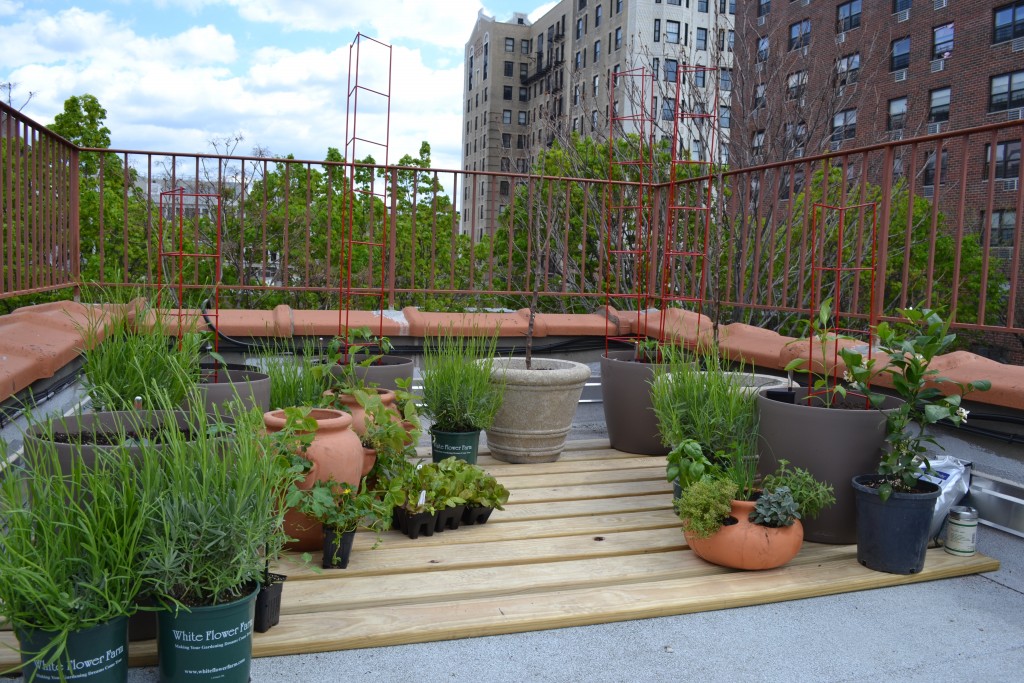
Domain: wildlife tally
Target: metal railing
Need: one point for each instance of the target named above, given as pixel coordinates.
(454, 239)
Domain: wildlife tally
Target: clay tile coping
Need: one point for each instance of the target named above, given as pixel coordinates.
(752, 345)
(329, 323)
(680, 325)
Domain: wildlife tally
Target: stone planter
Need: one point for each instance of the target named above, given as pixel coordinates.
(538, 409)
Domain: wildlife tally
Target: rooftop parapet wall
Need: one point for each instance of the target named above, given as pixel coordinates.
(38, 341)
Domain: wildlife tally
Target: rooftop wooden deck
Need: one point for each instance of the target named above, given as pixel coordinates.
(589, 539)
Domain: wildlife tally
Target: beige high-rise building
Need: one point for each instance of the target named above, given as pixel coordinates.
(529, 84)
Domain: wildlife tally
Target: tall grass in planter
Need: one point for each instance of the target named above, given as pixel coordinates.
(298, 379)
(69, 574)
(122, 360)
(217, 520)
(459, 395)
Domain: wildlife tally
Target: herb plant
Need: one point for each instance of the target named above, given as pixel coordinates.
(458, 393)
(705, 505)
(811, 495)
(775, 509)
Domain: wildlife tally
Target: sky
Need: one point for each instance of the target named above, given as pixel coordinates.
(174, 75)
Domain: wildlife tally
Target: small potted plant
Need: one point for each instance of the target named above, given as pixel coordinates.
(458, 394)
(69, 558)
(755, 530)
(342, 508)
(225, 496)
(430, 497)
(359, 359)
(894, 505)
(485, 496)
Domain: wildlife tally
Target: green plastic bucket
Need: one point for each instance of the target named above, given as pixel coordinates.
(462, 445)
(207, 643)
(97, 655)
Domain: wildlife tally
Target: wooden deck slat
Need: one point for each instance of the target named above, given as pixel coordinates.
(539, 565)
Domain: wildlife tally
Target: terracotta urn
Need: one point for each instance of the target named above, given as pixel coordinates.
(745, 545)
(358, 412)
(336, 453)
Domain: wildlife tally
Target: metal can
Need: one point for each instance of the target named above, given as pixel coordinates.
(962, 531)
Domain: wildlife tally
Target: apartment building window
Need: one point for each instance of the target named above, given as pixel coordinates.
(942, 41)
(1008, 22)
(506, 140)
(520, 141)
(725, 116)
(759, 95)
(509, 69)
(1002, 227)
(847, 69)
(725, 80)
(763, 7)
(657, 30)
(616, 70)
(506, 92)
(485, 94)
(597, 50)
(618, 38)
(757, 143)
(798, 182)
(506, 116)
(732, 41)
(595, 83)
(938, 105)
(901, 5)
(1006, 91)
(593, 121)
(800, 34)
(598, 15)
(928, 171)
(524, 69)
(721, 39)
(702, 5)
(672, 32)
(618, 6)
(579, 28)
(524, 46)
(698, 78)
(762, 49)
(796, 85)
(702, 39)
(510, 45)
(521, 165)
(795, 135)
(668, 109)
(844, 125)
(523, 118)
(576, 95)
(671, 70)
(469, 105)
(731, 4)
(1007, 164)
(677, 3)
(848, 16)
(897, 113)
(579, 62)
(899, 54)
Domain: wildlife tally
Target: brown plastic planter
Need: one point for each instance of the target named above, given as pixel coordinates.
(833, 444)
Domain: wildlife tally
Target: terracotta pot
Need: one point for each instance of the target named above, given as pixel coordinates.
(336, 453)
(369, 460)
(745, 545)
(359, 413)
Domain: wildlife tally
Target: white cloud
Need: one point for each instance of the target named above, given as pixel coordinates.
(8, 7)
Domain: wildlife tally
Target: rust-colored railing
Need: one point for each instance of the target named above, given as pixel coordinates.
(474, 239)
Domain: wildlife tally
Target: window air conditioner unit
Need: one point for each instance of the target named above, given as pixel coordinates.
(899, 76)
(941, 4)
(805, 50)
(805, 3)
(1017, 45)
(1010, 185)
(798, 152)
(902, 16)
(1015, 114)
(896, 134)
(938, 65)
(928, 191)
(803, 101)
(834, 146)
(760, 21)
(840, 38)
(934, 128)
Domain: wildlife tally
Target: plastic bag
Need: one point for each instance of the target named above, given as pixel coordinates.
(953, 477)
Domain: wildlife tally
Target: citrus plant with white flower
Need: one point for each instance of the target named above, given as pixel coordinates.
(911, 344)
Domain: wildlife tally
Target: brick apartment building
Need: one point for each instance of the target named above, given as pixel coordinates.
(528, 84)
(820, 75)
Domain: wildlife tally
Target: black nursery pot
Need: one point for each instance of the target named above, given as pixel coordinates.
(476, 514)
(337, 548)
(412, 525)
(450, 518)
(268, 603)
(892, 536)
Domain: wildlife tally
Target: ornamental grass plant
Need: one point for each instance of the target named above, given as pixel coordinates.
(458, 393)
(69, 543)
(296, 379)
